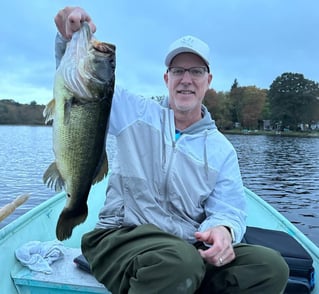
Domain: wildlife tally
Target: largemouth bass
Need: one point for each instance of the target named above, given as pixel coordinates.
(80, 110)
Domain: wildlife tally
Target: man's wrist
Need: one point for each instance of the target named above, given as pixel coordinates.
(231, 232)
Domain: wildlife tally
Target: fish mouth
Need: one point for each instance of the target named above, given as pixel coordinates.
(103, 47)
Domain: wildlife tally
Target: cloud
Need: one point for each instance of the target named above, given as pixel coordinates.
(253, 41)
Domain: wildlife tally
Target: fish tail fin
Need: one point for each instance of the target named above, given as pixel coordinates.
(52, 177)
(48, 111)
(101, 170)
(69, 218)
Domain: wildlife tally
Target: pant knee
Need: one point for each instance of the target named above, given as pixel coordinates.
(275, 271)
(189, 269)
(259, 269)
(178, 260)
(189, 262)
(181, 267)
(278, 268)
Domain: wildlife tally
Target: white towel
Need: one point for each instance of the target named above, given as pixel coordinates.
(38, 256)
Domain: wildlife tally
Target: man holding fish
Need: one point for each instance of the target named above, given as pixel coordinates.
(174, 213)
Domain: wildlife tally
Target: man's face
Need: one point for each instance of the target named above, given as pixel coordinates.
(187, 89)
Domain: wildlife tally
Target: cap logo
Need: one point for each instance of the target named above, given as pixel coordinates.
(188, 41)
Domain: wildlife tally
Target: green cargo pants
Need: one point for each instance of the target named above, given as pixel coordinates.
(145, 259)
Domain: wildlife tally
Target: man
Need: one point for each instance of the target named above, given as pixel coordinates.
(174, 214)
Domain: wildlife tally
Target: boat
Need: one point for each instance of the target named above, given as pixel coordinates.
(39, 223)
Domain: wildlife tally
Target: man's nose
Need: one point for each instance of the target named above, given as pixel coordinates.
(186, 77)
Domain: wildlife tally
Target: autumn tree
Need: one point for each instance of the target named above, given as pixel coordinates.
(252, 106)
(218, 105)
(247, 105)
(236, 93)
(293, 100)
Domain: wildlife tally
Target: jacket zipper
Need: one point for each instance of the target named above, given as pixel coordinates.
(171, 158)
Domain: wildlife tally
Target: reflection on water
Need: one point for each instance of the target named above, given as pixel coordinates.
(283, 171)
(25, 154)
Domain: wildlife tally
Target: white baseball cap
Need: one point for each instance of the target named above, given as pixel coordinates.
(188, 44)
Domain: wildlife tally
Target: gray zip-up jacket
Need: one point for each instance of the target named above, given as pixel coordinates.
(181, 185)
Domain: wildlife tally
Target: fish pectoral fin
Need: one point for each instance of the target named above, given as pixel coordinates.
(67, 110)
(52, 177)
(101, 170)
(49, 110)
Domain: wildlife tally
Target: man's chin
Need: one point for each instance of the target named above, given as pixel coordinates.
(184, 107)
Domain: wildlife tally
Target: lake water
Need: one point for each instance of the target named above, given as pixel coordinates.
(284, 171)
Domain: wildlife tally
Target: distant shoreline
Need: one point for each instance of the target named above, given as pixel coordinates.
(14, 113)
(301, 134)
(313, 134)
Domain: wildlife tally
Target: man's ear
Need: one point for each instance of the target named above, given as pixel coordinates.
(210, 78)
(166, 78)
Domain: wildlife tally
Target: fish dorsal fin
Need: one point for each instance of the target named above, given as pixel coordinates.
(52, 177)
(101, 170)
(49, 110)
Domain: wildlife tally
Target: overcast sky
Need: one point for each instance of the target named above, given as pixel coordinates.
(254, 41)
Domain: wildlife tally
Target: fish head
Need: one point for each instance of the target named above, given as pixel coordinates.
(87, 69)
(99, 68)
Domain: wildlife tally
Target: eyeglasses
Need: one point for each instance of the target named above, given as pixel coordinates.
(195, 72)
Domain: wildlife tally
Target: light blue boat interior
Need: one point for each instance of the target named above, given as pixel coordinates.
(39, 224)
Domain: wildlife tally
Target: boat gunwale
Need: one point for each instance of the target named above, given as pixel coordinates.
(25, 219)
(286, 225)
(48, 206)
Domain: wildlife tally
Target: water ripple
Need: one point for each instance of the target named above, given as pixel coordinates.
(283, 171)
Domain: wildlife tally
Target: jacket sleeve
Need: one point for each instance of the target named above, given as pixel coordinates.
(226, 204)
(128, 108)
(60, 46)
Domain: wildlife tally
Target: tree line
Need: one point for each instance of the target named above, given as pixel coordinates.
(291, 102)
(14, 113)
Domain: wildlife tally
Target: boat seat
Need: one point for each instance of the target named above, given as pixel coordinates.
(66, 278)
